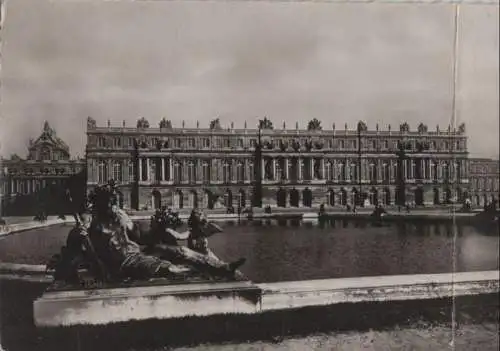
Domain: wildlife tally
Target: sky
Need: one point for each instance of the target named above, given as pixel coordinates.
(241, 61)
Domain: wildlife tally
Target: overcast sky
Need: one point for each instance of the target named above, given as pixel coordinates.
(340, 63)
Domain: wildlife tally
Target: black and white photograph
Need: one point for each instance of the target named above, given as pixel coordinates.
(249, 175)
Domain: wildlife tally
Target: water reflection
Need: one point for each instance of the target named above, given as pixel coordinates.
(290, 250)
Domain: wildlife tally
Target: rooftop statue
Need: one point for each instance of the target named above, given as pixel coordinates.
(101, 244)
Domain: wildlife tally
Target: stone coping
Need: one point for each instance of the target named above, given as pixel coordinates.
(100, 307)
(378, 281)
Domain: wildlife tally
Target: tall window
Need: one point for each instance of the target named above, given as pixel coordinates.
(101, 142)
(353, 172)
(101, 172)
(131, 171)
(372, 172)
(45, 153)
(342, 171)
(385, 172)
(117, 171)
(226, 172)
(152, 170)
(328, 170)
(251, 171)
(177, 172)
(206, 142)
(191, 143)
(117, 142)
(191, 172)
(144, 169)
(240, 172)
(227, 143)
(240, 142)
(206, 171)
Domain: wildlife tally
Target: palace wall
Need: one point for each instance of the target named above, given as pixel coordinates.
(214, 167)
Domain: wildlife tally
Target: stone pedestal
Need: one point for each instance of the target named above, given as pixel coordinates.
(105, 306)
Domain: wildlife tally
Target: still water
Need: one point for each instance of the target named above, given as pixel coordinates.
(292, 251)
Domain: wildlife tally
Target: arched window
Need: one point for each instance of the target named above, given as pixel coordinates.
(117, 171)
(102, 176)
(372, 172)
(191, 172)
(342, 171)
(131, 171)
(240, 172)
(177, 172)
(226, 172)
(251, 171)
(206, 171)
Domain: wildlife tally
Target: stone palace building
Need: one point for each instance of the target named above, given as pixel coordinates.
(40, 177)
(484, 179)
(215, 166)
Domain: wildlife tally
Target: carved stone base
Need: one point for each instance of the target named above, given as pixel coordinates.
(104, 306)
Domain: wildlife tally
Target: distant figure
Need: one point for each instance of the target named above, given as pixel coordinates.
(407, 208)
(321, 209)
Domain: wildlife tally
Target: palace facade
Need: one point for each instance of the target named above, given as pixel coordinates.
(40, 177)
(215, 166)
(484, 179)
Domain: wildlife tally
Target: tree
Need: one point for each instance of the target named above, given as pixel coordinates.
(314, 124)
(265, 123)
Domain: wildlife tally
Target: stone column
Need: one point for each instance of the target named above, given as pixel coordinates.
(171, 168)
(234, 170)
(162, 169)
(322, 166)
(286, 170)
(245, 170)
(379, 171)
(148, 169)
(347, 170)
(299, 163)
(262, 168)
(274, 169)
(311, 168)
(141, 160)
(185, 175)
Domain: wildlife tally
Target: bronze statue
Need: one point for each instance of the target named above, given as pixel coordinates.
(101, 243)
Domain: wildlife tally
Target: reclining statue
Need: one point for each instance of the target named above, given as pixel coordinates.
(100, 242)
